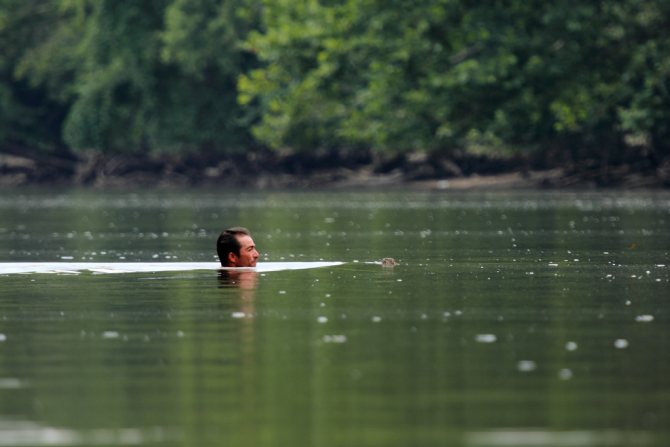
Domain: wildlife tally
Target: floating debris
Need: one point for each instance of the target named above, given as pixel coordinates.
(644, 318)
(3, 337)
(238, 315)
(110, 334)
(571, 346)
(389, 262)
(322, 320)
(376, 319)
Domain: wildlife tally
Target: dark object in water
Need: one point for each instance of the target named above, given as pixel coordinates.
(389, 262)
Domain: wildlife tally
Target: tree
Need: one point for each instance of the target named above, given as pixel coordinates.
(30, 115)
(154, 75)
(445, 75)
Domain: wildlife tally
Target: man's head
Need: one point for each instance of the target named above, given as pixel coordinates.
(236, 248)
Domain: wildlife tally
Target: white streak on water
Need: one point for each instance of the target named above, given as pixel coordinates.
(7, 268)
(27, 433)
(334, 338)
(539, 438)
(10, 383)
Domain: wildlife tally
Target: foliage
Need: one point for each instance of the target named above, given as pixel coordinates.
(583, 78)
(445, 74)
(29, 114)
(155, 74)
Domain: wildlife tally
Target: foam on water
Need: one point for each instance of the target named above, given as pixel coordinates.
(7, 268)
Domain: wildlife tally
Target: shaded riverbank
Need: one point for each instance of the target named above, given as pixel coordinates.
(326, 169)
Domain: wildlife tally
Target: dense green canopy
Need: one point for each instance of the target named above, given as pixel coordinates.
(567, 77)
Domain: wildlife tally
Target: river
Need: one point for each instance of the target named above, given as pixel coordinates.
(511, 319)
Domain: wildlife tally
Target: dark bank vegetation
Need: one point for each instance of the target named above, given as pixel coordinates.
(285, 92)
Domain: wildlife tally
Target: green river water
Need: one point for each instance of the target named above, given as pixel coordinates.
(513, 319)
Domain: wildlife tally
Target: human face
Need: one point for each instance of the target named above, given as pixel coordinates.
(248, 253)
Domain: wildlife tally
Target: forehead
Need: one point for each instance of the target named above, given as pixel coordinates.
(244, 240)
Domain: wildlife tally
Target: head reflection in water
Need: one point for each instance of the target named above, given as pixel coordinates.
(242, 279)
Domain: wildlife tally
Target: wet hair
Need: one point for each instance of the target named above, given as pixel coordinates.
(228, 243)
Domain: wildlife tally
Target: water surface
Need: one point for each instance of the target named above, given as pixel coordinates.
(513, 319)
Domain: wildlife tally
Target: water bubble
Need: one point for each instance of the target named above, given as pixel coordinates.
(322, 320)
(571, 346)
(565, 374)
(376, 319)
(621, 343)
(485, 338)
(334, 338)
(3, 337)
(526, 366)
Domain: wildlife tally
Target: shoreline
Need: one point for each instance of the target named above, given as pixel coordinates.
(325, 170)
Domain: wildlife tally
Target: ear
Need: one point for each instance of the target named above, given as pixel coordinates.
(232, 259)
